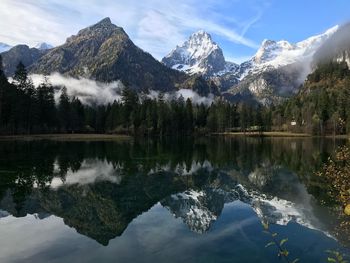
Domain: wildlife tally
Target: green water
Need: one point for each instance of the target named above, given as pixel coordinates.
(168, 200)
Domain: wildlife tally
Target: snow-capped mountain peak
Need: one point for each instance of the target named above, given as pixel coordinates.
(200, 44)
(281, 53)
(270, 49)
(43, 46)
(199, 54)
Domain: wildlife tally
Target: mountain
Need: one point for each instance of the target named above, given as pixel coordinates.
(198, 55)
(43, 46)
(275, 72)
(20, 53)
(4, 47)
(104, 52)
(278, 69)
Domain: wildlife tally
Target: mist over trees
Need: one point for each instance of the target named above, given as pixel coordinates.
(321, 107)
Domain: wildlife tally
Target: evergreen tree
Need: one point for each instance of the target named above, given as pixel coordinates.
(46, 108)
(64, 110)
(3, 85)
(189, 117)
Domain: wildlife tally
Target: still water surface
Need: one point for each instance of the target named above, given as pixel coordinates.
(165, 201)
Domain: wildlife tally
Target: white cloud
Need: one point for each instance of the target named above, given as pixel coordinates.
(194, 97)
(186, 94)
(88, 91)
(155, 25)
(94, 92)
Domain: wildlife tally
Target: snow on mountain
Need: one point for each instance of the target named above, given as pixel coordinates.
(4, 47)
(198, 55)
(275, 71)
(272, 54)
(43, 46)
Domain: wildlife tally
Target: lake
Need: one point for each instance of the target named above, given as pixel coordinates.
(171, 200)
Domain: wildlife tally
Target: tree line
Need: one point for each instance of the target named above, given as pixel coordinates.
(26, 109)
(321, 107)
(323, 104)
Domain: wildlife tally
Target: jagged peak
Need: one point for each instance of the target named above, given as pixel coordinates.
(267, 42)
(200, 37)
(105, 26)
(198, 54)
(105, 23)
(201, 33)
(105, 20)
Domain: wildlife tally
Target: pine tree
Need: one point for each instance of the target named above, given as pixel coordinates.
(189, 117)
(3, 85)
(64, 110)
(21, 76)
(46, 109)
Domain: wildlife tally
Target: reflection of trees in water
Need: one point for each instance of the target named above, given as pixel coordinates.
(25, 164)
(151, 171)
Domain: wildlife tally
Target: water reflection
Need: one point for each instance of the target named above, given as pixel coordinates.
(99, 188)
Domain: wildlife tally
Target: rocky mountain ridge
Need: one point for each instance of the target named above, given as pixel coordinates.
(105, 53)
(272, 74)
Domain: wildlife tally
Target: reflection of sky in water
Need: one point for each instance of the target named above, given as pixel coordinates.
(156, 236)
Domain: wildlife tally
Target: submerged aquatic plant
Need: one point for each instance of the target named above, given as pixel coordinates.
(336, 257)
(279, 243)
(333, 255)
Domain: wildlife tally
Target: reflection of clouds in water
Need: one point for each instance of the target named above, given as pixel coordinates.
(182, 168)
(30, 237)
(90, 172)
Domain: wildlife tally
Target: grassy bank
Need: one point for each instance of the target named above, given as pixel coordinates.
(265, 134)
(66, 137)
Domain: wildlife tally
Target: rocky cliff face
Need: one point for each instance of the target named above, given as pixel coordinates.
(20, 53)
(105, 53)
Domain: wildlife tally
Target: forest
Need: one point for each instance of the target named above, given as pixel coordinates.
(320, 108)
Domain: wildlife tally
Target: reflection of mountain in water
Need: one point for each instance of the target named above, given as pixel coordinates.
(200, 208)
(99, 188)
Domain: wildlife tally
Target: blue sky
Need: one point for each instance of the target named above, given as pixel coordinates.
(157, 26)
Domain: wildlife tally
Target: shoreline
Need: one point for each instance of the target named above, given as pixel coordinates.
(264, 134)
(279, 134)
(118, 137)
(66, 137)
